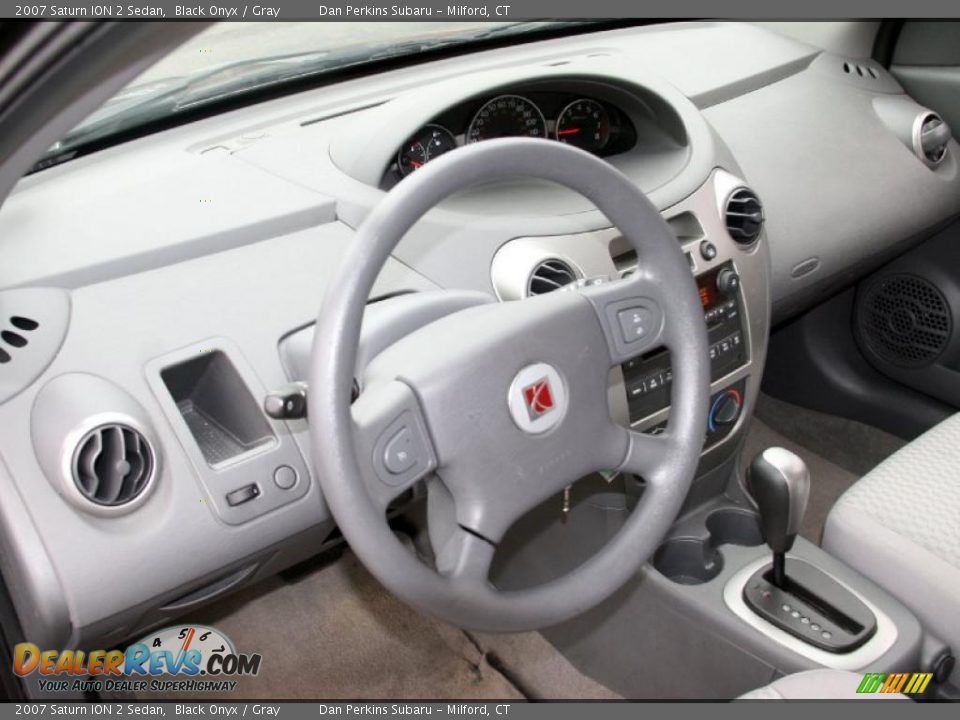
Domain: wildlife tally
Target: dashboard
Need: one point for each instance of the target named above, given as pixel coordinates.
(219, 256)
(589, 123)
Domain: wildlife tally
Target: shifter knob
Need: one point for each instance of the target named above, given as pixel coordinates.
(779, 482)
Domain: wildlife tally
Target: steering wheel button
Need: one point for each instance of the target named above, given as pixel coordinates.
(635, 323)
(400, 454)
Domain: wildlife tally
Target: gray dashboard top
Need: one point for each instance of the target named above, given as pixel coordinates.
(190, 191)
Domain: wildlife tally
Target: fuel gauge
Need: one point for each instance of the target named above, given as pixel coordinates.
(430, 142)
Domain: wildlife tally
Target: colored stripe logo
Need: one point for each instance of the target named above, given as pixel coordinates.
(905, 683)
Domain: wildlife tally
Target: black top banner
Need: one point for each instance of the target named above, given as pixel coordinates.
(504, 10)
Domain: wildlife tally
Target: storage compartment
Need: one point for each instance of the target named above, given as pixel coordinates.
(696, 560)
(217, 407)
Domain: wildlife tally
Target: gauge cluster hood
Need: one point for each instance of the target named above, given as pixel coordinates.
(673, 135)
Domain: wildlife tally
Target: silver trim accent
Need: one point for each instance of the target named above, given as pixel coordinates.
(515, 262)
(915, 132)
(870, 652)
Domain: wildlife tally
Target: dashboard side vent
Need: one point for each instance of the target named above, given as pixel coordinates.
(903, 320)
(744, 216)
(550, 275)
(15, 339)
(864, 71)
(112, 465)
(33, 324)
(930, 138)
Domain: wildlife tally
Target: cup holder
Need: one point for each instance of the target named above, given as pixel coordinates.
(688, 561)
(734, 526)
(696, 560)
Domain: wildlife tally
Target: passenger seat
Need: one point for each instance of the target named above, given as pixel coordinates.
(900, 526)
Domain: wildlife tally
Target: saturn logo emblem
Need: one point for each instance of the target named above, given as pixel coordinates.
(537, 398)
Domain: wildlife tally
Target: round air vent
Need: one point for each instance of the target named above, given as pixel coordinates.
(904, 320)
(550, 275)
(744, 216)
(112, 465)
(930, 138)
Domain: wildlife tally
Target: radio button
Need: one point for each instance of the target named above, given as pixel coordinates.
(728, 281)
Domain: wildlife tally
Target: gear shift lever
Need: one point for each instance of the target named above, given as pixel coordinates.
(810, 604)
(779, 482)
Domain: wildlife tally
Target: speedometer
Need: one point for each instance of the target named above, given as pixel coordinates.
(507, 116)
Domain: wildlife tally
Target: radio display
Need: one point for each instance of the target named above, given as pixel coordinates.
(707, 288)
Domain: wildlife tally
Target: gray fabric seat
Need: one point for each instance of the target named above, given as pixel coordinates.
(820, 684)
(900, 526)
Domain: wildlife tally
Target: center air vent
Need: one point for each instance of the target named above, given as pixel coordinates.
(112, 465)
(744, 216)
(550, 275)
(930, 138)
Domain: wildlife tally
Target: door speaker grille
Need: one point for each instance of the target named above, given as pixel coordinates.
(904, 320)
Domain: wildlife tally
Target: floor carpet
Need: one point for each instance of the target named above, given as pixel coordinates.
(852, 445)
(336, 633)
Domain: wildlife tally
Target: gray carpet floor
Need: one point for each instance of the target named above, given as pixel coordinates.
(851, 445)
(336, 633)
(838, 451)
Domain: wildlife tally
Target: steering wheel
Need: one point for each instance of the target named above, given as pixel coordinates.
(506, 404)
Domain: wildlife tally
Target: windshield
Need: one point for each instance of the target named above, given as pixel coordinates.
(228, 60)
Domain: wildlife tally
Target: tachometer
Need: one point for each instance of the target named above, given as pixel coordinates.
(507, 116)
(584, 124)
(430, 142)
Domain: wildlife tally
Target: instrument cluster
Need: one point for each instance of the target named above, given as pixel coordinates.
(588, 123)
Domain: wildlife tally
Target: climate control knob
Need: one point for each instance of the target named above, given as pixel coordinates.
(724, 410)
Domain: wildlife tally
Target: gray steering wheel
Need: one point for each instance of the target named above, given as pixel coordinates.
(505, 404)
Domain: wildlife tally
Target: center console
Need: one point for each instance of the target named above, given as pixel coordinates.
(730, 267)
(732, 594)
